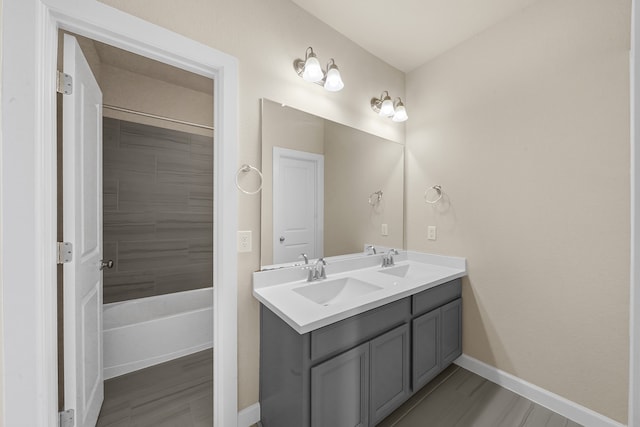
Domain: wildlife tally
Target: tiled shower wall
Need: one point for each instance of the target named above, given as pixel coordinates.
(158, 210)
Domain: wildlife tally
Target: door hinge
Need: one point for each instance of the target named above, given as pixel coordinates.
(64, 83)
(65, 252)
(66, 418)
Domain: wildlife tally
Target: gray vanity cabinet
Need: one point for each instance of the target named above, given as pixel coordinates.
(451, 331)
(426, 348)
(437, 341)
(355, 372)
(362, 384)
(340, 390)
(390, 367)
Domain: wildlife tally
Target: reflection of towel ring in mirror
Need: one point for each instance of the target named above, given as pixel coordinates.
(375, 198)
(245, 169)
(438, 191)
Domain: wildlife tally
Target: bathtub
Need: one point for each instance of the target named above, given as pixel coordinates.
(147, 331)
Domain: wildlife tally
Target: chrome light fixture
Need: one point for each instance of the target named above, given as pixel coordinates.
(387, 108)
(310, 70)
(400, 114)
(333, 80)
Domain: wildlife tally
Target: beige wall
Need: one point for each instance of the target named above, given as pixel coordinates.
(266, 36)
(123, 88)
(526, 127)
(127, 88)
(356, 165)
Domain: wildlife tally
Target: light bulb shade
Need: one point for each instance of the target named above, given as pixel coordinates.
(333, 82)
(400, 114)
(312, 70)
(386, 108)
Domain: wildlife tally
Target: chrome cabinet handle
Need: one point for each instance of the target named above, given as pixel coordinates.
(106, 264)
(281, 239)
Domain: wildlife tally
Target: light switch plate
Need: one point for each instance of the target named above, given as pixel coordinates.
(431, 232)
(244, 241)
(384, 230)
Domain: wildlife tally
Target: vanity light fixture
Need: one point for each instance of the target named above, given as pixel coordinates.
(310, 70)
(395, 110)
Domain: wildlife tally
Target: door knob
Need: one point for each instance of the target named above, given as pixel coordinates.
(281, 239)
(106, 264)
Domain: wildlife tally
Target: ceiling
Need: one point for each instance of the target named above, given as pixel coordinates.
(109, 55)
(409, 33)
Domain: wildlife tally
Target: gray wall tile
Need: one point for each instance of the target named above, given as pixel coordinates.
(158, 210)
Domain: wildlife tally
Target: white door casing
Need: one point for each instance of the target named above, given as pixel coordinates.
(298, 204)
(82, 225)
(28, 210)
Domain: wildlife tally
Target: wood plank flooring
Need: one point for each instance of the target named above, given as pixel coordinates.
(178, 393)
(459, 398)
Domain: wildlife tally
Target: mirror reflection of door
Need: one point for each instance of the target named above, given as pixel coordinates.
(298, 204)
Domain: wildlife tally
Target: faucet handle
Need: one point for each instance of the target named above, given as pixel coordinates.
(305, 257)
(321, 273)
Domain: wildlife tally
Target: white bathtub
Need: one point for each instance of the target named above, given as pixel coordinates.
(147, 331)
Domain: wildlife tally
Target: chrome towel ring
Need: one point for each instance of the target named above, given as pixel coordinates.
(375, 198)
(433, 195)
(245, 168)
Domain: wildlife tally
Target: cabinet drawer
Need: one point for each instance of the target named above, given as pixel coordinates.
(349, 332)
(435, 297)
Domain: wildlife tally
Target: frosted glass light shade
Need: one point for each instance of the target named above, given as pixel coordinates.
(312, 70)
(333, 83)
(386, 109)
(400, 114)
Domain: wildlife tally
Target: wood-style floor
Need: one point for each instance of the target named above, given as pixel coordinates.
(178, 393)
(459, 398)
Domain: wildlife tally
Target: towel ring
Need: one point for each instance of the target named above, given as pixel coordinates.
(438, 191)
(375, 198)
(245, 169)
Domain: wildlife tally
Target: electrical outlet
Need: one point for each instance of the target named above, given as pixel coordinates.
(384, 230)
(244, 241)
(431, 232)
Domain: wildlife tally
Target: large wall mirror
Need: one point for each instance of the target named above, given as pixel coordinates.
(328, 189)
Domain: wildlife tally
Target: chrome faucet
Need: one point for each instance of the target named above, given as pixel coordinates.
(316, 271)
(305, 257)
(321, 273)
(370, 250)
(387, 259)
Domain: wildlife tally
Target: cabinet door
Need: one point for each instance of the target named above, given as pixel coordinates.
(340, 390)
(451, 343)
(389, 372)
(426, 348)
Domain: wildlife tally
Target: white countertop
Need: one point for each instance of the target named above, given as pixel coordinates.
(276, 288)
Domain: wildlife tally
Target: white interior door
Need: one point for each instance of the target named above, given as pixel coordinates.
(82, 212)
(298, 204)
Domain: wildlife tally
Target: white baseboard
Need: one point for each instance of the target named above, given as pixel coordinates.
(249, 415)
(549, 400)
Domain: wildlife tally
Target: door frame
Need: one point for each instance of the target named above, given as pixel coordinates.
(28, 193)
(318, 159)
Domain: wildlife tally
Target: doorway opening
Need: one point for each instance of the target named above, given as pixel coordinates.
(30, 351)
(155, 313)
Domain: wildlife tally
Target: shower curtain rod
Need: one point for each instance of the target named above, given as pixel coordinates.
(153, 116)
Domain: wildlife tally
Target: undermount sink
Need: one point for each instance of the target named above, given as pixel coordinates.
(407, 271)
(329, 292)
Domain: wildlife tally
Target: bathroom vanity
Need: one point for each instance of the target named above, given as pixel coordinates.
(350, 357)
